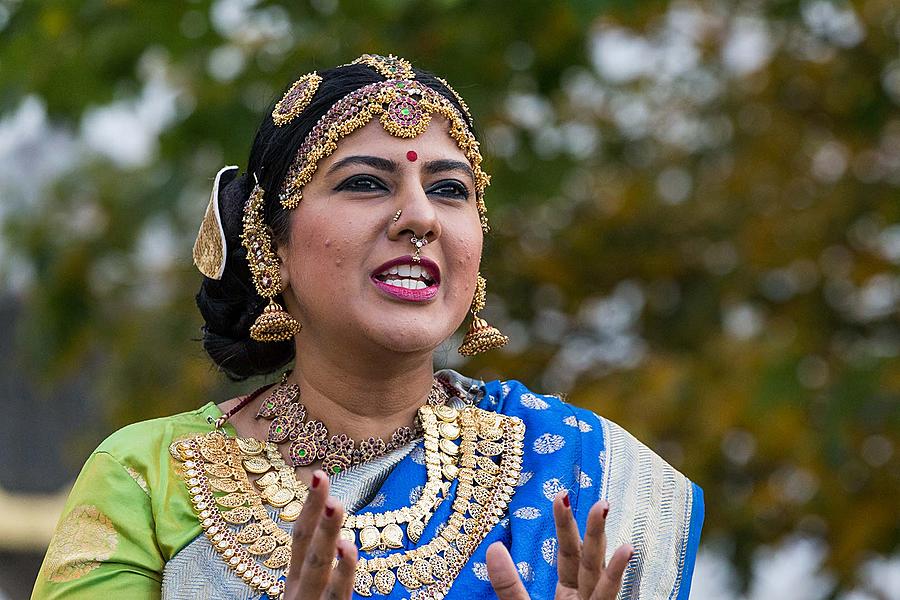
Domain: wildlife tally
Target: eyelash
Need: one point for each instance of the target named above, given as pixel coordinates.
(459, 190)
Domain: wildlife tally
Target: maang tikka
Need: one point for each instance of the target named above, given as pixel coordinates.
(481, 335)
(275, 324)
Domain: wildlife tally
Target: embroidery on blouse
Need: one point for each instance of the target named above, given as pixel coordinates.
(138, 479)
(84, 539)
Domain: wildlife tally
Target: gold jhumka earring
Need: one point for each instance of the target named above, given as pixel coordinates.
(274, 324)
(481, 336)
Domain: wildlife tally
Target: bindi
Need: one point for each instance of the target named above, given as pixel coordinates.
(411, 156)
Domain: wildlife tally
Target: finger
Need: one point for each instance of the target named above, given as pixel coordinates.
(340, 586)
(503, 575)
(593, 553)
(307, 522)
(316, 569)
(569, 552)
(611, 578)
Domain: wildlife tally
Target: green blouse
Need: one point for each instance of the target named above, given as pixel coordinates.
(115, 536)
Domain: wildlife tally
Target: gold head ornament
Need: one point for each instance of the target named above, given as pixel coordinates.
(403, 106)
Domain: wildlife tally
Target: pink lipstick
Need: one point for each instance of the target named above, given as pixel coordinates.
(405, 279)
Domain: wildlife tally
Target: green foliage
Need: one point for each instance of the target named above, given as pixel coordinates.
(704, 251)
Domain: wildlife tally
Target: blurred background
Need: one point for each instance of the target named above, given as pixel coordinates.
(696, 233)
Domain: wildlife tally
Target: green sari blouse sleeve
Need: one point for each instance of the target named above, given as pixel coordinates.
(105, 541)
(127, 515)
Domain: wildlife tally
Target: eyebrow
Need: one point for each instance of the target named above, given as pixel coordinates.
(433, 167)
(441, 166)
(382, 164)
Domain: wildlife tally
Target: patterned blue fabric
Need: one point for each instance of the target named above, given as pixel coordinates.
(565, 449)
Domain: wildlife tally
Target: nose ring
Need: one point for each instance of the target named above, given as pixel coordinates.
(397, 215)
(418, 243)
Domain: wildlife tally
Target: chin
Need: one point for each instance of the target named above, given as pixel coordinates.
(408, 337)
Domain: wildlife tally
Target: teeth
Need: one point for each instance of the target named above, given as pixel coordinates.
(395, 282)
(419, 285)
(415, 271)
(404, 270)
(407, 283)
(393, 271)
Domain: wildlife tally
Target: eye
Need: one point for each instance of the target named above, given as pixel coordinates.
(361, 183)
(450, 188)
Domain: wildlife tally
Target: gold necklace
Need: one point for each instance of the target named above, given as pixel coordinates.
(309, 438)
(216, 466)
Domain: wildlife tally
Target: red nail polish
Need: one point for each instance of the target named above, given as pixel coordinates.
(605, 511)
(566, 500)
(329, 511)
(340, 554)
(315, 480)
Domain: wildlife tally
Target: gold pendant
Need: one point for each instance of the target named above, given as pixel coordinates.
(281, 497)
(407, 577)
(414, 530)
(218, 470)
(392, 537)
(347, 534)
(280, 558)
(267, 480)
(291, 511)
(237, 516)
(489, 448)
(232, 500)
(446, 413)
(448, 447)
(263, 545)
(256, 465)
(369, 538)
(449, 430)
(422, 571)
(250, 446)
(439, 567)
(224, 485)
(249, 534)
(384, 581)
(362, 582)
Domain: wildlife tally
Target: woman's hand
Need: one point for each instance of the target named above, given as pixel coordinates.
(316, 543)
(583, 573)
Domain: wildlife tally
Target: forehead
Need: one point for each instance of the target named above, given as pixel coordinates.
(371, 139)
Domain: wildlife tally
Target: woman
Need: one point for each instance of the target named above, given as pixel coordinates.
(352, 247)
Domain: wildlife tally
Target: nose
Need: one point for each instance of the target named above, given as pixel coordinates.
(418, 218)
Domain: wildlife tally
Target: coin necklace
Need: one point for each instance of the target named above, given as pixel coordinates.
(215, 467)
(310, 441)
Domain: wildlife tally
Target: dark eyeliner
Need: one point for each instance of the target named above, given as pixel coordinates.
(462, 191)
(347, 184)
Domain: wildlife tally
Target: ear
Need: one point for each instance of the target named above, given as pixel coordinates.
(281, 251)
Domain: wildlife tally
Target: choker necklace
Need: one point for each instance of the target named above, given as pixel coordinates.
(310, 440)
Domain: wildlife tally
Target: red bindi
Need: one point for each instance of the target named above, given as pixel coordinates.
(411, 156)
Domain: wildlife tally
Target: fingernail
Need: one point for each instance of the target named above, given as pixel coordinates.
(315, 480)
(605, 510)
(566, 499)
(340, 554)
(329, 511)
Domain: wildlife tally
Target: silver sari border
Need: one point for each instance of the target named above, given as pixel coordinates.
(650, 510)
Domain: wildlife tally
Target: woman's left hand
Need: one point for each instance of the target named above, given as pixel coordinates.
(583, 572)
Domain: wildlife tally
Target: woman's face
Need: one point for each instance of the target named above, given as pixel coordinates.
(349, 265)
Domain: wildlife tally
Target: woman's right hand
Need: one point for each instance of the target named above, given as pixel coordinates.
(315, 545)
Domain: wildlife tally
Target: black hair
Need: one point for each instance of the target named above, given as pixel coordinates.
(230, 305)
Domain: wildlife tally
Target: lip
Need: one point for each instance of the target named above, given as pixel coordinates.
(431, 267)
